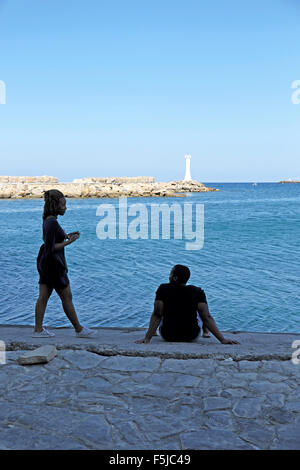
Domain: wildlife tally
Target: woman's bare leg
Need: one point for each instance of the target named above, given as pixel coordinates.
(66, 299)
(40, 306)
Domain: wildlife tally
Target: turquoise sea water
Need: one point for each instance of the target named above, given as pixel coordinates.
(248, 267)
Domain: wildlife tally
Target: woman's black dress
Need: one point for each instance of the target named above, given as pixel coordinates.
(51, 265)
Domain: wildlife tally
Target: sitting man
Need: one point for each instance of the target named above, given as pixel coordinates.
(175, 310)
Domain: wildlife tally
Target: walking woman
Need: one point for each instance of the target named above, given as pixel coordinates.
(52, 267)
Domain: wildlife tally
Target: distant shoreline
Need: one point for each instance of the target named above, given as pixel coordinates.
(288, 182)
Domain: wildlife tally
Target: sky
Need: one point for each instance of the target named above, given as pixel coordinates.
(127, 88)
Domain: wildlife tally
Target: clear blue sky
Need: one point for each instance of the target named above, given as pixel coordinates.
(115, 88)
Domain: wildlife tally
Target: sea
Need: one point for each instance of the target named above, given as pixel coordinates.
(247, 264)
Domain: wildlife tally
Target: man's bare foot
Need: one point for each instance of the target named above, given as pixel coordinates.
(205, 334)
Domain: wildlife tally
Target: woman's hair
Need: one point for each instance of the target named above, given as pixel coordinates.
(51, 197)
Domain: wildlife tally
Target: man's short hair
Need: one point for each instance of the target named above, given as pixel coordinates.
(182, 272)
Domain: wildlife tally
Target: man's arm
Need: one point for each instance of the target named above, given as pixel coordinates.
(154, 321)
(210, 323)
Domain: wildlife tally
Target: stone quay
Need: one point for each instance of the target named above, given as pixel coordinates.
(110, 393)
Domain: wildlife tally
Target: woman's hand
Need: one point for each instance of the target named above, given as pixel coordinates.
(72, 237)
(68, 235)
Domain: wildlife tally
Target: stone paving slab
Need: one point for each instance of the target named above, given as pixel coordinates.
(110, 393)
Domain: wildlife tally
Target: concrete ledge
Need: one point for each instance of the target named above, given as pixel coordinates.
(121, 341)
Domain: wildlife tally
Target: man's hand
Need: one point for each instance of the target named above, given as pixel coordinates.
(154, 322)
(229, 341)
(210, 324)
(144, 340)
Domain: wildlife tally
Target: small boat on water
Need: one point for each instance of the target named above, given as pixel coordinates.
(254, 184)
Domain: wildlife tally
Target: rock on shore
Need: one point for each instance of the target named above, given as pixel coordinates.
(27, 187)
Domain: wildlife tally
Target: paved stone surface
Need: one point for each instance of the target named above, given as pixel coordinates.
(114, 394)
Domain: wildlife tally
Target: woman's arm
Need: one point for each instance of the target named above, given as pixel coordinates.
(71, 238)
(49, 240)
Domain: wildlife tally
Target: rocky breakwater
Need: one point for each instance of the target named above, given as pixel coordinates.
(98, 187)
(289, 181)
(117, 180)
(16, 187)
(28, 179)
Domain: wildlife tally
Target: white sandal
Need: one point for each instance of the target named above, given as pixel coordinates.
(85, 333)
(42, 334)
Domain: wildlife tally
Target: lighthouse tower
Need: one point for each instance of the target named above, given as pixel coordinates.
(187, 168)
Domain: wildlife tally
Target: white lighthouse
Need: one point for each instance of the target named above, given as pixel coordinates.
(188, 168)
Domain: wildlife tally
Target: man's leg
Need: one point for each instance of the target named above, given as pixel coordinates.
(205, 331)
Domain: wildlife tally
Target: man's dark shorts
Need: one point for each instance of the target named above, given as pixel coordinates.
(179, 336)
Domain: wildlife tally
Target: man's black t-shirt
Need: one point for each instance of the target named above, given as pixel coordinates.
(179, 320)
